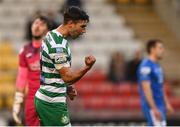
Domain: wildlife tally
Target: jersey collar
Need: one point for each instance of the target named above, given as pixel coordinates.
(59, 34)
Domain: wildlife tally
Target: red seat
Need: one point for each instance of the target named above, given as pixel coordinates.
(98, 94)
(86, 88)
(168, 89)
(134, 103)
(135, 90)
(111, 103)
(123, 90)
(93, 102)
(175, 101)
(96, 76)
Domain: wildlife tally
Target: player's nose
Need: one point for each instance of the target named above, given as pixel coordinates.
(83, 31)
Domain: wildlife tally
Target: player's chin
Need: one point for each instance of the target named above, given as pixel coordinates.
(74, 37)
(37, 35)
(160, 58)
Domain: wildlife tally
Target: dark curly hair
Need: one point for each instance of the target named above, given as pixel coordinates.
(75, 13)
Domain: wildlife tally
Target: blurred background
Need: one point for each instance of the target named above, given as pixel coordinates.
(116, 35)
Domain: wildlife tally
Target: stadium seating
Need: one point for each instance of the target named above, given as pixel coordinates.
(97, 97)
(8, 70)
(148, 24)
(14, 15)
(8, 59)
(107, 30)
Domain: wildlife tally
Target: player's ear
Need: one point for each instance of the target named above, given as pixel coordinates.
(71, 24)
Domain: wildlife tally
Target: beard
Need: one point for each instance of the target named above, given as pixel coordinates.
(73, 34)
(36, 37)
(74, 37)
(160, 58)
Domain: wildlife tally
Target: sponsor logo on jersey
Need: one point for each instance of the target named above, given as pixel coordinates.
(61, 58)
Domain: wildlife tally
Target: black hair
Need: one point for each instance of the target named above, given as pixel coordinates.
(74, 13)
(151, 44)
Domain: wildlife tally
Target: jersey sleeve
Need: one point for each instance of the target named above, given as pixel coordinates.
(59, 58)
(144, 73)
(22, 58)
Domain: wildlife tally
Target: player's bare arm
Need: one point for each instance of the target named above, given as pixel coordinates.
(69, 76)
(149, 97)
(19, 95)
(169, 108)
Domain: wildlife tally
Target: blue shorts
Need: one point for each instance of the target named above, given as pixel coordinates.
(151, 121)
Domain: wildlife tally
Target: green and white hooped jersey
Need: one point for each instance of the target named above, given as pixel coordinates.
(55, 54)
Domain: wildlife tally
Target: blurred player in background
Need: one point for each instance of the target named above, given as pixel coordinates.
(56, 71)
(154, 100)
(29, 73)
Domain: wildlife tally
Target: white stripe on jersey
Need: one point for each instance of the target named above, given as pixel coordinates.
(53, 43)
(64, 42)
(53, 89)
(44, 47)
(51, 38)
(53, 80)
(49, 99)
(43, 58)
(69, 51)
(49, 70)
(55, 31)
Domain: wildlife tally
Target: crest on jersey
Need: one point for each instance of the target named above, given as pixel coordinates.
(145, 70)
(64, 119)
(59, 50)
(29, 55)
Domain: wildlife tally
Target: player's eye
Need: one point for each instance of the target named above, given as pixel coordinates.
(83, 26)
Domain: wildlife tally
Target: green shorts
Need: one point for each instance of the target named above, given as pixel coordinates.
(52, 114)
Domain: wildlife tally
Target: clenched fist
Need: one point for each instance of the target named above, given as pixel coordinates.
(71, 92)
(157, 114)
(90, 60)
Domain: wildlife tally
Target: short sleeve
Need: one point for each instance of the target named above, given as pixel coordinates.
(144, 73)
(60, 58)
(22, 58)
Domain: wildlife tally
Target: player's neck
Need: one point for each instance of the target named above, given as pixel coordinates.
(63, 30)
(36, 43)
(153, 58)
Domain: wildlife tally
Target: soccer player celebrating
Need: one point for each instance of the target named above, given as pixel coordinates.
(154, 101)
(56, 72)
